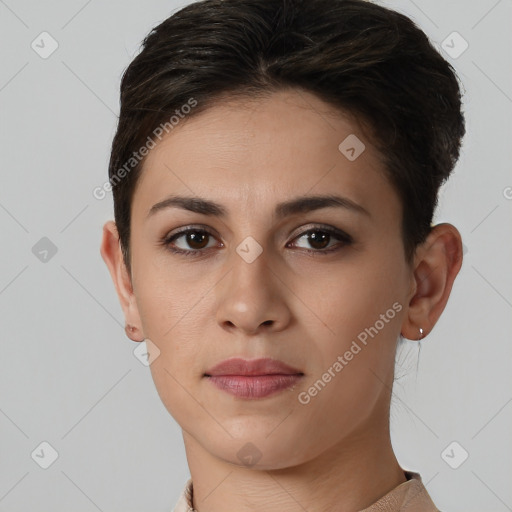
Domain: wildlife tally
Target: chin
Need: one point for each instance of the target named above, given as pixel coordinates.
(259, 451)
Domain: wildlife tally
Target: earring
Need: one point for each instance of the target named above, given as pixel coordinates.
(421, 334)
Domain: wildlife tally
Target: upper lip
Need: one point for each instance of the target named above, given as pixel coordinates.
(264, 366)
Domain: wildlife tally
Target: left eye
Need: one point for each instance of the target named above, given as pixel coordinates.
(319, 239)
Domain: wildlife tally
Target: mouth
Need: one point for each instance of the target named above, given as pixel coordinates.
(251, 379)
(251, 367)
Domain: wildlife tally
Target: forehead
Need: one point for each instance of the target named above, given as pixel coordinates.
(265, 150)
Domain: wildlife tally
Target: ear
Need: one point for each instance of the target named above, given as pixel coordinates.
(112, 255)
(437, 263)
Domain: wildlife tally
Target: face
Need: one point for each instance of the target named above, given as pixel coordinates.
(321, 286)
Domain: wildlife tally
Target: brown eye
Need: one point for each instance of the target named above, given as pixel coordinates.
(189, 241)
(196, 239)
(319, 239)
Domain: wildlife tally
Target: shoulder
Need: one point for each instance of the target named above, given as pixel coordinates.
(184, 503)
(410, 496)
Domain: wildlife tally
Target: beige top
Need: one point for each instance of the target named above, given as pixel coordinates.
(410, 496)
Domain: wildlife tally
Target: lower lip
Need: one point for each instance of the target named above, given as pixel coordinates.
(256, 386)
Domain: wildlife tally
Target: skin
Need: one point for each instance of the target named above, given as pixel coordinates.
(301, 307)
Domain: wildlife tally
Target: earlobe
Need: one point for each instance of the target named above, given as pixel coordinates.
(111, 253)
(418, 337)
(437, 264)
(131, 332)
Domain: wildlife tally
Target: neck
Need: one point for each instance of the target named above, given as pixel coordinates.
(351, 475)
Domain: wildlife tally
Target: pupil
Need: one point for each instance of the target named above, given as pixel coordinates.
(321, 240)
(196, 237)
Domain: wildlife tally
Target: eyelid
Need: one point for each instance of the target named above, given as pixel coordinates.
(320, 227)
(191, 227)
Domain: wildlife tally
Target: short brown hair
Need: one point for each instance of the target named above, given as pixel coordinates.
(365, 59)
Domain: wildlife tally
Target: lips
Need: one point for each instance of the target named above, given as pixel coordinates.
(251, 367)
(250, 379)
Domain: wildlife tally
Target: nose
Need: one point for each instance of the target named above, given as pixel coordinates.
(253, 297)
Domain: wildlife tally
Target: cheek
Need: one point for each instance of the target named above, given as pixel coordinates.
(174, 389)
(173, 312)
(354, 296)
(362, 312)
(169, 297)
(173, 317)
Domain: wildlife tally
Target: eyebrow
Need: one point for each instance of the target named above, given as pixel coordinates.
(302, 204)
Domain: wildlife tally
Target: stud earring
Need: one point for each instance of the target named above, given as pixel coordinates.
(421, 334)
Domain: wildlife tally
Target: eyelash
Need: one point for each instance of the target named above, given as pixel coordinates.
(338, 234)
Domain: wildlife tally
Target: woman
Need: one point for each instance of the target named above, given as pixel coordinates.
(275, 172)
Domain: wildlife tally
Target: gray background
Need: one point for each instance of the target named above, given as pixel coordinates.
(68, 375)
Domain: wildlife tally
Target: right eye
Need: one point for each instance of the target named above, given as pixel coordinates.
(193, 241)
